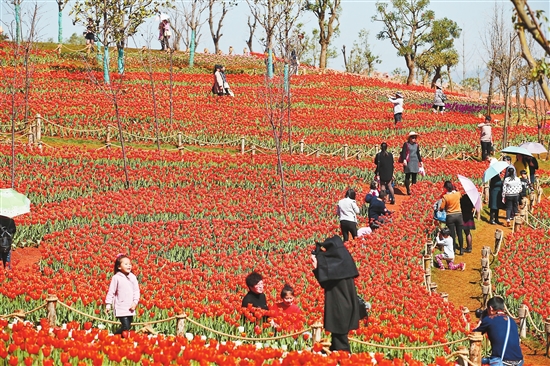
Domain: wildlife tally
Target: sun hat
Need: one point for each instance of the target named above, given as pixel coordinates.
(488, 118)
(399, 94)
(412, 133)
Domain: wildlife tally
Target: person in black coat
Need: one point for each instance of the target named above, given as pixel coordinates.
(255, 296)
(335, 270)
(384, 170)
(7, 231)
(495, 199)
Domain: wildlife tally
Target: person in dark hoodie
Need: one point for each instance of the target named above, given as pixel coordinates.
(255, 296)
(335, 269)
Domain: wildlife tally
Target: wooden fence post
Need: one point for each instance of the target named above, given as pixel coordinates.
(317, 329)
(180, 141)
(444, 296)
(253, 149)
(108, 137)
(547, 329)
(180, 324)
(242, 145)
(465, 312)
(475, 347)
(31, 134)
(345, 151)
(522, 315)
(38, 131)
(301, 146)
(498, 240)
(51, 305)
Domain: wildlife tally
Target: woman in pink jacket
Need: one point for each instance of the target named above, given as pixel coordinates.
(123, 294)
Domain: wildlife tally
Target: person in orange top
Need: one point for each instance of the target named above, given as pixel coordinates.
(451, 204)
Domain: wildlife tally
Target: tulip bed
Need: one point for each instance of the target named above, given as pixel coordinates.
(195, 224)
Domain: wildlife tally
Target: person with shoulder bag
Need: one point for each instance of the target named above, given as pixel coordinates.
(503, 335)
(411, 159)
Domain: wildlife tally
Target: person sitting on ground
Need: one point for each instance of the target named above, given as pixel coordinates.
(255, 296)
(373, 193)
(378, 213)
(503, 334)
(444, 243)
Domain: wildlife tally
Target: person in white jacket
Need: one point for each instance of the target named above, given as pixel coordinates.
(347, 211)
(397, 101)
(511, 188)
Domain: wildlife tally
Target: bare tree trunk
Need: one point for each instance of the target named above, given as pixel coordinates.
(490, 91)
(411, 66)
(345, 60)
(251, 30)
(450, 79)
(518, 104)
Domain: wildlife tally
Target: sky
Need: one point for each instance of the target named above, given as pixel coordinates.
(471, 15)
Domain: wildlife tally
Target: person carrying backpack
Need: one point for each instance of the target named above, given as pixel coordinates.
(7, 231)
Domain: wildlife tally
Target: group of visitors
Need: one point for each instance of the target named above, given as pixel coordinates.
(256, 298)
(398, 101)
(507, 193)
(381, 189)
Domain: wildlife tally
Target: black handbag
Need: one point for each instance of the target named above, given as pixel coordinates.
(364, 307)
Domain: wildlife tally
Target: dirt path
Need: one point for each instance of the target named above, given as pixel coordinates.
(464, 287)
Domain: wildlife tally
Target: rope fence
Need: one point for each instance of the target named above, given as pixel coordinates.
(316, 330)
(42, 126)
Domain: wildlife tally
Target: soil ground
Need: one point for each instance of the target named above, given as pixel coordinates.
(463, 287)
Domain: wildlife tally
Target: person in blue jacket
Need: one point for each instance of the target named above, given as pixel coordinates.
(502, 332)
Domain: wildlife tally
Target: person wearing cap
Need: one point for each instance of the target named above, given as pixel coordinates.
(411, 159)
(439, 100)
(397, 106)
(486, 138)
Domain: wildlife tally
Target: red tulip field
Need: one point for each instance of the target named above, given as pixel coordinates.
(195, 222)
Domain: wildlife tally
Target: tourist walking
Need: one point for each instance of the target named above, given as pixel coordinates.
(511, 189)
(486, 138)
(7, 231)
(439, 100)
(384, 170)
(411, 159)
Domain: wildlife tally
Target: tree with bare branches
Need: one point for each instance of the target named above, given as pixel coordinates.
(252, 23)
(192, 11)
(530, 22)
(268, 14)
(224, 7)
(17, 69)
